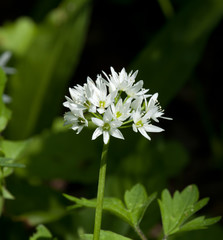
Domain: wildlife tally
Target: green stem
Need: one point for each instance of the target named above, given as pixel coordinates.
(100, 195)
(140, 233)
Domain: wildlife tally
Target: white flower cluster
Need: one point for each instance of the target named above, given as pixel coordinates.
(111, 103)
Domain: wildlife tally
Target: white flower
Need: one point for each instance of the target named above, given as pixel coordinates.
(121, 81)
(112, 103)
(80, 98)
(141, 124)
(77, 119)
(99, 97)
(4, 58)
(153, 109)
(136, 90)
(107, 127)
(121, 111)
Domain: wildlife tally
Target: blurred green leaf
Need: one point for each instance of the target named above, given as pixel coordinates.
(2, 82)
(6, 194)
(41, 233)
(177, 210)
(13, 149)
(5, 113)
(73, 157)
(12, 152)
(105, 235)
(169, 59)
(46, 67)
(42, 203)
(8, 162)
(17, 36)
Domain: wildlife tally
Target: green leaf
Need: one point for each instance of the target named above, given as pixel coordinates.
(37, 209)
(2, 82)
(113, 205)
(137, 201)
(17, 36)
(6, 194)
(41, 233)
(105, 235)
(8, 162)
(46, 67)
(69, 159)
(199, 223)
(177, 210)
(5, 113)
(14, 149)
(169, 59)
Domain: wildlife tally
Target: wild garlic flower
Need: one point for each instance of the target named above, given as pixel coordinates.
(113, 103)
(108, 126)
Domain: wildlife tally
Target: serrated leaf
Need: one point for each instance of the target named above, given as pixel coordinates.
(41, 232)
(176, 211)
(137, 201)
(105, 235)
(199, 223)
(113, 205)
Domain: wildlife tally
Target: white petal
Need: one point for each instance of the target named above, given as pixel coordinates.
(107, 115)
(134, 128)
(116, 133)
(97, 133)
(152, 128)
(101, 110)
(144, 133)
(97, 122)
(106, 137)
(115, 124)
(167, 118)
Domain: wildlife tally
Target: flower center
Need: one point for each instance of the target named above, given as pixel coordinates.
(81, 121)
(118, 114)
(106, 127)
(139, 123)
(87, 104)
(102, 104)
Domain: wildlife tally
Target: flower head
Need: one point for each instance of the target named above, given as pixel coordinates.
(112, 103)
